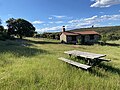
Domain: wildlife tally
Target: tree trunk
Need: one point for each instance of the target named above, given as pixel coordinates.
(20, 36)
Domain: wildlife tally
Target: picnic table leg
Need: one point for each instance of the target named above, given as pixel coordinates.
(96, 62)
(89, 61)
(92, 62)
(70, 55)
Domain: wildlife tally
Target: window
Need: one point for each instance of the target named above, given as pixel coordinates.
(91, 37)
(73, 38)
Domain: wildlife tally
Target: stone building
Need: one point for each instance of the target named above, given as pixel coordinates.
(83, 37)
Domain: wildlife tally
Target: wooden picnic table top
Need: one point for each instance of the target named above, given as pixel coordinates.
(85, 54)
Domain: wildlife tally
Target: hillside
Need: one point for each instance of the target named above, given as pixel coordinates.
(102, 30)
(112, 32)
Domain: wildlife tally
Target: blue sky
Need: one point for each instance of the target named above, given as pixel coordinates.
(51, 15)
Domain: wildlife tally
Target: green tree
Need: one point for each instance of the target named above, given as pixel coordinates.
(1, 28)
(79, 41)
(20, 27)
(11, 26)
(2, 32)
(104, 39)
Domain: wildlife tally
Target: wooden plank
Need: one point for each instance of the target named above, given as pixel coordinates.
(75, 63)
(103, 59)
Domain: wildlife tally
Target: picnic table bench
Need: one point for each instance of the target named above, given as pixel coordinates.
(83, 66)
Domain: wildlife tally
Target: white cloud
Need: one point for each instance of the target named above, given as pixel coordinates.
(110, 23)
(94, 20)
(101, 12)
(74, 21)
(37, 22)
(50, 18)
(110, 17)
(58, 16)
(92, 0)
(91, 19)
(48, 29)
(46, 24)
(105, 3)
(51, 22)
(83, 23)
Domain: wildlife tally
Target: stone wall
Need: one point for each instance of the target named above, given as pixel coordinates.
(68, 39)
(63, 38)
(96, 38)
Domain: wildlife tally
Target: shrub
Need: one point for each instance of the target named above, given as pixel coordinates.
(104, 39)
(2, 38)
(79, 41)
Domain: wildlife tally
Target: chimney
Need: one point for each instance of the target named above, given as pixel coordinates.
(92, 26)
(63, 29)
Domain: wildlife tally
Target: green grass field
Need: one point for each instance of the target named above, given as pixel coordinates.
(33, 64)
(115, 42)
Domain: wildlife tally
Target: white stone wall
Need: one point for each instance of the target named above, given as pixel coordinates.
(63, 38)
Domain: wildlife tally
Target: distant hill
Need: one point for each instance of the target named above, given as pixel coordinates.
(101, 30)
(111, 32)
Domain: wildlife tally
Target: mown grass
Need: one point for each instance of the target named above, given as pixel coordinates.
(32, 64)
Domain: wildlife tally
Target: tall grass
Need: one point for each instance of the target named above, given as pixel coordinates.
(33, 64)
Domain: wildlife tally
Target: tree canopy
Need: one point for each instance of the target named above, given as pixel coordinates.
(0, 21)
(1, 27)
(20, 27)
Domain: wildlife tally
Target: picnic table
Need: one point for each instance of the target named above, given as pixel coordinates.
(92, 58)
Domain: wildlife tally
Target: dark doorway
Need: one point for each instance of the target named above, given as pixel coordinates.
(82, 39)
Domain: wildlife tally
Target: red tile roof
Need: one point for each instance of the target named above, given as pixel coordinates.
(87, 32)
(70, 33)
(80, 33)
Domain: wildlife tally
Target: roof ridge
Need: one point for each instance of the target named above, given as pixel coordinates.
(80, 32)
